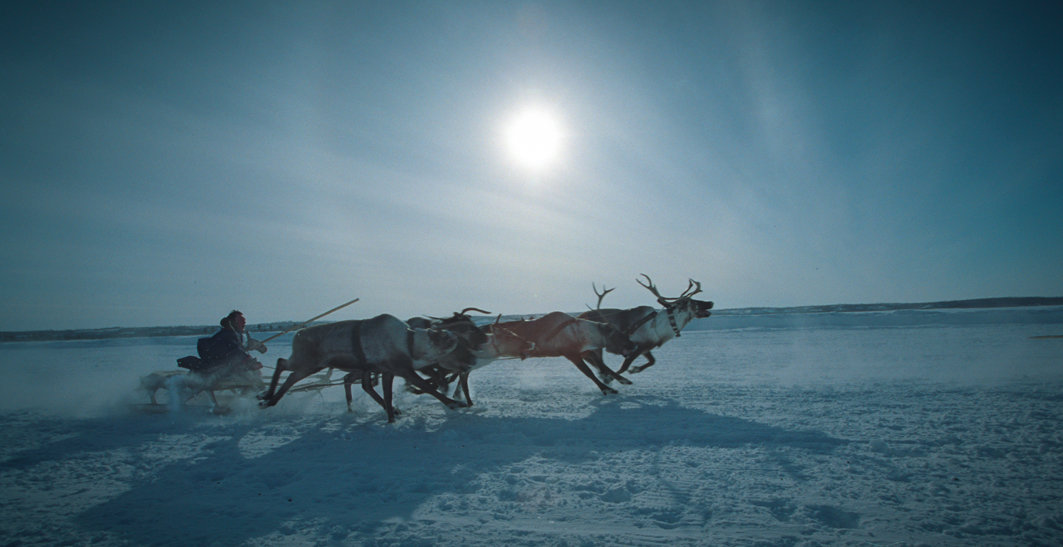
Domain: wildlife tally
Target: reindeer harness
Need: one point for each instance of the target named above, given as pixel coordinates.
(669, 312)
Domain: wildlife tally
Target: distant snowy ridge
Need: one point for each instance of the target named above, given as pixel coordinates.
(976, 303)
(763, 317)
(994, 311)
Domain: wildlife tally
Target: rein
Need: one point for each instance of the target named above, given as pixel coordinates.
(494, 339)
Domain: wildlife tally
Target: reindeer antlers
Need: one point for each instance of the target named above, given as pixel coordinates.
(693, 284)
(602, 294)
(459, 314)
(667, 301)
(652, 288)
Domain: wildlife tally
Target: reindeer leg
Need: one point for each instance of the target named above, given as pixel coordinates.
(292, 378)
(282, 364)
(347, 381)
(367, 386)
(578, 361)
(464, 384)
(649, 363)
(596, 360)
(433, 374)
(412, 377)
(628, 360)
(388, 379)
(588, 357)
(446, 380)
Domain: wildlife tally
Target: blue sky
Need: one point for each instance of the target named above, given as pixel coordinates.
(164, 162)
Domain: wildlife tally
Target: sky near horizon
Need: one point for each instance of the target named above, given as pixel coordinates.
(164, 162)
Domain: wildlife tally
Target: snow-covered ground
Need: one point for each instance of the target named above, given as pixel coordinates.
(874, 428)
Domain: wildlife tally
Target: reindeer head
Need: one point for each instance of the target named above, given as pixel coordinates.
(443, 341)
(685, 301)
(507, 342)
(463, 327)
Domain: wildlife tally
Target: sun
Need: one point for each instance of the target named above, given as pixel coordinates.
(534, 138)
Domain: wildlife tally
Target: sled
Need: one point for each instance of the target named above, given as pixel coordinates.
(187, 386)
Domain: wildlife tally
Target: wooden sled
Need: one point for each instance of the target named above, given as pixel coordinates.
(187, 386)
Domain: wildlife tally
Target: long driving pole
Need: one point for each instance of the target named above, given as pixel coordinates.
(311, 320)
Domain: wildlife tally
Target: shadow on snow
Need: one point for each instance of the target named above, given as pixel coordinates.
(347, 477)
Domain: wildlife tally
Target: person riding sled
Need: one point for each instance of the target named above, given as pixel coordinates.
(223, 363)
(226, 347)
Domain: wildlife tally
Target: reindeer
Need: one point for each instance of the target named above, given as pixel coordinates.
(470, 337)
(383, 344)
(496, 342)
(647, 327)
(558, 334)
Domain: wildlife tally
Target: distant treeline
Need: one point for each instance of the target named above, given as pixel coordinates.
(146, 332)
(133, 332)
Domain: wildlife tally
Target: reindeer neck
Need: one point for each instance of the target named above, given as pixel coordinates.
(678, 319)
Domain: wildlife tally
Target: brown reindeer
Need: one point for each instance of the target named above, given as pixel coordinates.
(558, 334)
(383, 344)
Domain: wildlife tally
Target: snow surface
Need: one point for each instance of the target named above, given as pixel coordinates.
(861, 429)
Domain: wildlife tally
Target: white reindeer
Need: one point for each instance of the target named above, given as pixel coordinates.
(383, 344)
(647, 327)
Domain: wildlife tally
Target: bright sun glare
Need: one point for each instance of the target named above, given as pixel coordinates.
(534, 138)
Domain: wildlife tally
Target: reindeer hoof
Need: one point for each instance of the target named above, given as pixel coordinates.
(609, 390)
(624, 381)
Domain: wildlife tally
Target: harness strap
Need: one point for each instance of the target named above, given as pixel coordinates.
(672, 322)
(631, 330)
